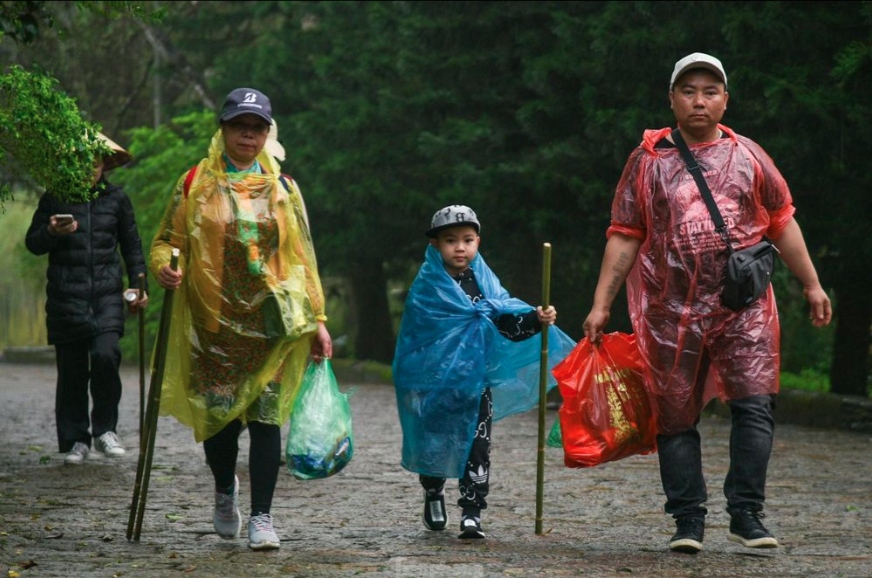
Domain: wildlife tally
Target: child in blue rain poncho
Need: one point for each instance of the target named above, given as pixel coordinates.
(463, 359)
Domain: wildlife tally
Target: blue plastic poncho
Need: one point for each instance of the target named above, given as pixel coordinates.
(448, 351)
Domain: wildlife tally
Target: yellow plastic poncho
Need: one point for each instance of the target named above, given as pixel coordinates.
(246, 312)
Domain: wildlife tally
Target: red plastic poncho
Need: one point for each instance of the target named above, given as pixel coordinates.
(695, 348)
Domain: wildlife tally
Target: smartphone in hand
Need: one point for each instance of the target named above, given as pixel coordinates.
(63, 219)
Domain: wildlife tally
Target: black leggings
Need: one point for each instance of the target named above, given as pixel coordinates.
(264, 460)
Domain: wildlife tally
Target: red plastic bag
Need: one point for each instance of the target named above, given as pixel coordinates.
(606, 414)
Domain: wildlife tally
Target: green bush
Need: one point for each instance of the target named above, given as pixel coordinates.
(44, 137)
(807, 379)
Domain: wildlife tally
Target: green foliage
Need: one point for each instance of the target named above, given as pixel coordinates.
(45, 134)
(14, 256)
(802, 344)
(150, 12)
(22, 290)
(21, 21)
(524, 110)
(807, 379)
(160, 157)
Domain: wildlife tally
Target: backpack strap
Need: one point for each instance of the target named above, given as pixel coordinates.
(189, 179)
(283, 179)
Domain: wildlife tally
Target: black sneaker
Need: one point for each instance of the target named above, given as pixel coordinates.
(435, 516)
(470, 526)
(747, 529)
(689, 534)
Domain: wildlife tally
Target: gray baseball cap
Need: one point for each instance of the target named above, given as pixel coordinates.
(453, 216)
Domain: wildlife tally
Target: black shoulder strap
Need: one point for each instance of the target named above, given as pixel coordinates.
(694, 170)
(284, 180)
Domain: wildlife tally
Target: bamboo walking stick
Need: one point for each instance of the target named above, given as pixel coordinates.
(146, 449)
(141, 357)
(543, 380)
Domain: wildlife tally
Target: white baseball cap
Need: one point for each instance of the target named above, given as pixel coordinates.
(698, 60)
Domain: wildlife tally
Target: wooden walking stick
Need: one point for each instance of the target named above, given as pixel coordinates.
(543, 380)
(146, 448)
(141, 357)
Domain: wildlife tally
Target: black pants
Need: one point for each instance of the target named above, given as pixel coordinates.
(264, 460)
(751, 437)
(474, 483)
(90, 362)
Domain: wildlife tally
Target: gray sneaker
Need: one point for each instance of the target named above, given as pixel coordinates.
(78, 454)
(109, 445)
(261, 535)
(226, 516)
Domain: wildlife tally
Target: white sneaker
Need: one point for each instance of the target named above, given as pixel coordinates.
(78, 454)
(226, 516)
(109, 445)
(261, 535)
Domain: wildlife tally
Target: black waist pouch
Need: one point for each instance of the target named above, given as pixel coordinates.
(749, 272)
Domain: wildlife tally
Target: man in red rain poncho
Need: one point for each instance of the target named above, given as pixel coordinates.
(663, 242)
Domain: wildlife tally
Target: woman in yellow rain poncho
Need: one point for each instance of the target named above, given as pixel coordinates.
(250, 308)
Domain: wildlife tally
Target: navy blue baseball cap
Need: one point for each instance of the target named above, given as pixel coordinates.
(246, 101)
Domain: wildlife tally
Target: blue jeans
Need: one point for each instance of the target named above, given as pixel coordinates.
(751, 435)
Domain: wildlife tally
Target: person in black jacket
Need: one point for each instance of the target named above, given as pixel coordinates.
(85, 305)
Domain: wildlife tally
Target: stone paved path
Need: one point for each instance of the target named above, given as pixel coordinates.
(70, 522)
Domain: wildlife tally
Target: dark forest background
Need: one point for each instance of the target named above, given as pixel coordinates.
(525, 111)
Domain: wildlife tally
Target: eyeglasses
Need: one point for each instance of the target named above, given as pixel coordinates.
(239, 126)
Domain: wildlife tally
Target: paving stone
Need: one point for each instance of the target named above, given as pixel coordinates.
(608, 521)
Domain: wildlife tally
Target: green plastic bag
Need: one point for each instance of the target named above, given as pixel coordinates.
(555, 436)
(320, 442)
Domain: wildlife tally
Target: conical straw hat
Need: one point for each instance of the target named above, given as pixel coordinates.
(118, 157)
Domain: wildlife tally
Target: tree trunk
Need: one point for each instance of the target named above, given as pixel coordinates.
(373, 331)
(849, 372)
